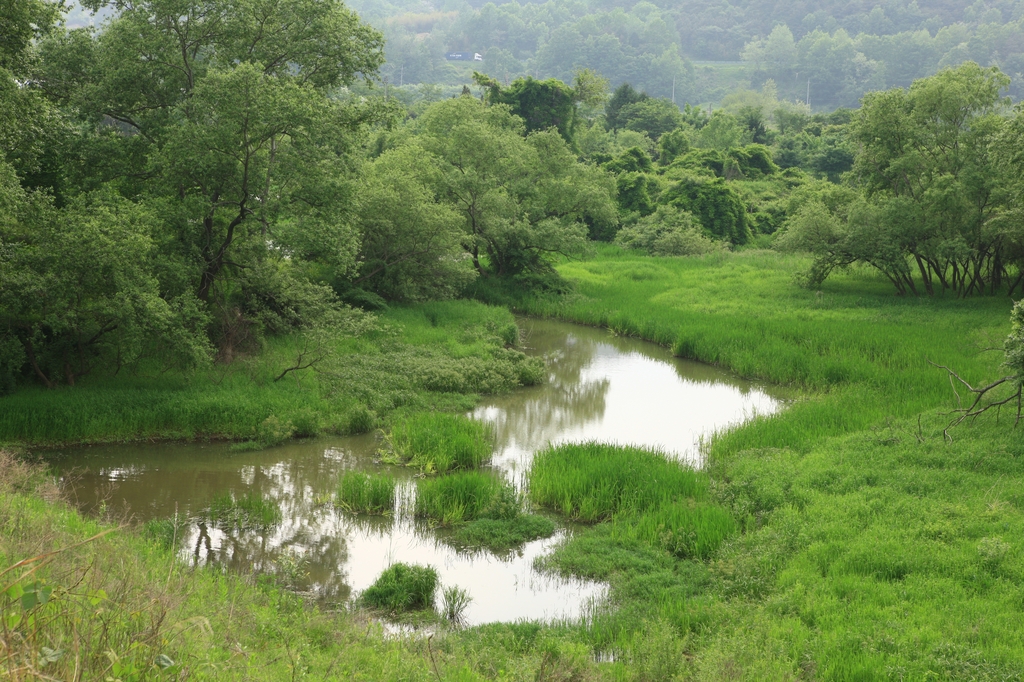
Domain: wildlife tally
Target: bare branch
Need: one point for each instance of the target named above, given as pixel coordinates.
(982, 402)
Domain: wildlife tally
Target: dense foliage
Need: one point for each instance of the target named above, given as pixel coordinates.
(826, 53)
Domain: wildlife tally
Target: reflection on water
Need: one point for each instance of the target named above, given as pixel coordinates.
(600, 388)
(615, 389)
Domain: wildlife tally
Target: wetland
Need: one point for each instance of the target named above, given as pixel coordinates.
(599, 387)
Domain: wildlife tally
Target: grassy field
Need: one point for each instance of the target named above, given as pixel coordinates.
(872, 547)
(841, 539)
(432, 356)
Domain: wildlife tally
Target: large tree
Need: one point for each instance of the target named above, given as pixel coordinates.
(221, 112)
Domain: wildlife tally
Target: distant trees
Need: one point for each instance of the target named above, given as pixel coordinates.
(546, 104)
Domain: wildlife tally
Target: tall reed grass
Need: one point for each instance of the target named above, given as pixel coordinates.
(592, 482)
(439, 443)
(457, 498)
(366, 493)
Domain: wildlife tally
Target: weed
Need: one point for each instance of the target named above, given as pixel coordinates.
(249, 511)
(454, 602)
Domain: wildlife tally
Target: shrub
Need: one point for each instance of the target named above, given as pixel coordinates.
(270, 432)
(668, 232)
(402, 587)
(366, 493)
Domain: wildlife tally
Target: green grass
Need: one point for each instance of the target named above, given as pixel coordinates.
(687, 530)
(592, 482)
(402, 587)
(366, 493)
(503, 534)
(457, 498)
(437, 356)
(439, 443)
(865, 545)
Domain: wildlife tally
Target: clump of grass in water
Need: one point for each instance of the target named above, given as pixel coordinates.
(438, 443)
(593, 481)
(402, 587)
(451, 500)
(250, 511)
(454, 602)
(503, 534)
(166, 532)
(366, 493)
(491, 510)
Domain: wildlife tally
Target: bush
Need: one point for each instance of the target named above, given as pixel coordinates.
(670, 231)
(270, 432)
(402, 587)
(366, 493)
(439, 443)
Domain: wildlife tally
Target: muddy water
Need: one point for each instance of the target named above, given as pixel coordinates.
(600, 388)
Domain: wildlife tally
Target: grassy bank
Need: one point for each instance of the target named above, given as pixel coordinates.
(433, 356)
(871, 548)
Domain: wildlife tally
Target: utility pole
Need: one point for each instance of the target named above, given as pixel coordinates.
(808, 100)
(673, 88)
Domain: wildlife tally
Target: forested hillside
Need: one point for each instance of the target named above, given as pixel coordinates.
(830, 53)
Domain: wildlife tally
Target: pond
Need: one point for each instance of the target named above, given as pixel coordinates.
(600, 387)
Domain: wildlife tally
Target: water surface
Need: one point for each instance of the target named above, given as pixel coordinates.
(599, 387)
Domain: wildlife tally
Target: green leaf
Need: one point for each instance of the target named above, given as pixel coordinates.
(48, 655)
(163, 661)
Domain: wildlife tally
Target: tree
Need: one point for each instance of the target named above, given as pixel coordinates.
(623, 96)
(546, 104)
(926, 162)
(521, 197)
(717, 207)
(76, 288)
(652, 116)
(225, 102)
(673, 144)
(411, 241)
